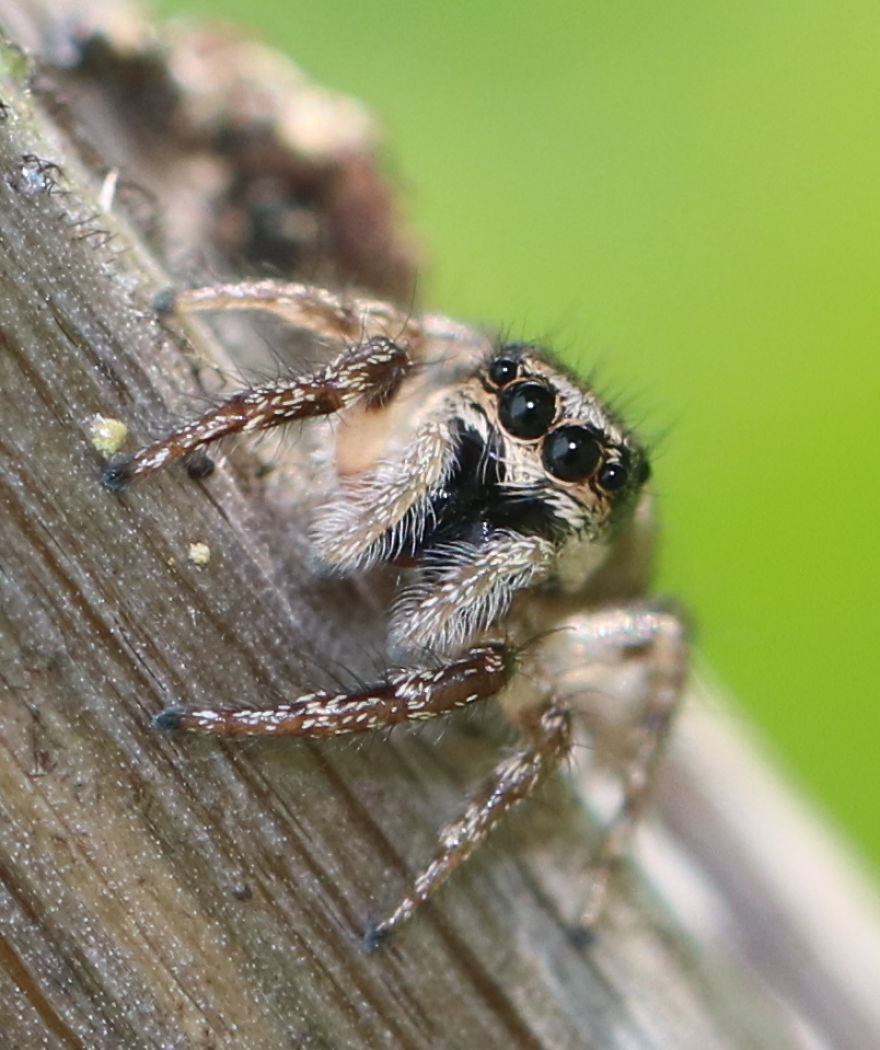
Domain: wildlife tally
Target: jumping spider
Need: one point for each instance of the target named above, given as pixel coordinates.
(502, 489)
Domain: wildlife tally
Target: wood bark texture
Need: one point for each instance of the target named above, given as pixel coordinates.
(171, 892)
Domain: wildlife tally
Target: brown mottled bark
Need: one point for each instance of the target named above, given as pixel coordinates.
(168, 892)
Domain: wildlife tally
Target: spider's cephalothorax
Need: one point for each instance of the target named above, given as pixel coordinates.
(499, 486)
(519, 477)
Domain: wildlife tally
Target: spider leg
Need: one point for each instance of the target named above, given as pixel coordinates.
(333, 316)
(516, 778)
(463, 588)
(658, 637)
(404, 695)
(384, 513)
(315, 309)
(383, 345)
(371, 370)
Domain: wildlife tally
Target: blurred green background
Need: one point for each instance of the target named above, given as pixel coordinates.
(686, 196)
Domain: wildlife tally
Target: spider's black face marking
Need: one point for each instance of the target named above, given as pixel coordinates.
(475, 503)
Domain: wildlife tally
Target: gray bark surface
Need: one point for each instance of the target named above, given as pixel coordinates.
(170, 892)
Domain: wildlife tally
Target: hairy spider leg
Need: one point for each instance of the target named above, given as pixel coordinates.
(306, 306)
(548, 728)
(382, 346)
(515, 779)
(404, 695)
(328, 314)
(467, 588)
(385, 512)
(660, 636)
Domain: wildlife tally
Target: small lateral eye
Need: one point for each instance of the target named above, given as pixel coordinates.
(613, 477)
(503, 370)
(571, 453)
(526, 409)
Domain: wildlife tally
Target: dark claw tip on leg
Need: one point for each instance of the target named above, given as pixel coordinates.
(116, 474)
(163, 301)
(168, 720)
(375, 937)
(199, 465)
(582, 937)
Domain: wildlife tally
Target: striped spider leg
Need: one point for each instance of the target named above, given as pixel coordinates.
(652, 635)
(370, 368)
(502, 490)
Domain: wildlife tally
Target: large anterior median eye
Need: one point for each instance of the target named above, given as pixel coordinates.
(571, 453)
(526, 409)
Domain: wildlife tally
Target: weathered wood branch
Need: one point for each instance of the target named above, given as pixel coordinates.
(159, 892)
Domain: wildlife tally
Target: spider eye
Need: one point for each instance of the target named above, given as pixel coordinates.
(503, 370)
(613, 477)
(571, 453)
(526, 409)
